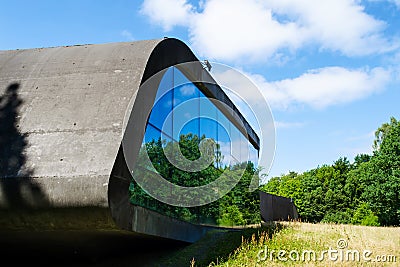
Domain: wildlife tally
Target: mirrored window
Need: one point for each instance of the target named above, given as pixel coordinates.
(182, 116)
(163, 105)
(186, 110)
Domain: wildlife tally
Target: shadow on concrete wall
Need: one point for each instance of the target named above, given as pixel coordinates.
(18, 190)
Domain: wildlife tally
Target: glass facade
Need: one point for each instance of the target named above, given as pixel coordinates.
(181, 119)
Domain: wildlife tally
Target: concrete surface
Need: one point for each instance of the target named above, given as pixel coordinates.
(63, 116)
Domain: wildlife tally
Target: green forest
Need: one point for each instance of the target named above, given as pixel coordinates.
(366, 191)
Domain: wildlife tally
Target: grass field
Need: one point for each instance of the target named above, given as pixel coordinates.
(333, 245)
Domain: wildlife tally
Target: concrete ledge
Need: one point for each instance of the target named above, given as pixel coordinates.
(152, 223)
(85, 218)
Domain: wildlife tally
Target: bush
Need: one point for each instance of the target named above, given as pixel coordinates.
(365, 216)
(343, 217)
(370, 220)
(231, 216)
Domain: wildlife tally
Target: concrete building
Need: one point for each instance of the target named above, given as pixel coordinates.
(64, 113)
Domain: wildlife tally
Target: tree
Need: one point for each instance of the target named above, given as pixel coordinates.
(361, 158)
(382, 131)
(378, 180)
(370, 186)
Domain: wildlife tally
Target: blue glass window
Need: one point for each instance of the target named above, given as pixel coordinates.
(186, 106)
(163, 104)
(223, 139)
(182, 110)
(208, 118)
(152, 134)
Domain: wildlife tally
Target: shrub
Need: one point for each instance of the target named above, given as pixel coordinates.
(343, 217)
(365, 216)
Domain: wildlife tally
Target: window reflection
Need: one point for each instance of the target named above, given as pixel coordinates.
(186, 108)
(235, 144)
(166, 83)
(181, 117)
(151, 134)
(208, 118)
(223, 139)
(253, 155)
(244, 148)
(161, 111)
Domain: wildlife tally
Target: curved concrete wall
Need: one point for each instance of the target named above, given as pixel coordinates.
(70, 111)
(62, 113)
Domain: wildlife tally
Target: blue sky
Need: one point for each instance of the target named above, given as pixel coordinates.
(328, 69)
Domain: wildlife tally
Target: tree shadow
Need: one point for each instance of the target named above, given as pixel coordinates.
(18, 190)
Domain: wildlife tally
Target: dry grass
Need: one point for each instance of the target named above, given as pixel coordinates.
(381, 241)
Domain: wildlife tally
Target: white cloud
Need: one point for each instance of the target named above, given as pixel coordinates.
(127, 35)
(231, 29)
(258, 30)
(328, 86)
(187, 90)
(368, 136)
(333, 85)
(167, 13)
(318, 88)
(339, 25)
